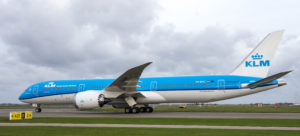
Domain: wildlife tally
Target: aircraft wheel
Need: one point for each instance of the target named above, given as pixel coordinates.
(127, 110)
(143, 109)
(136, 110)
(38, 110)
(149, 109)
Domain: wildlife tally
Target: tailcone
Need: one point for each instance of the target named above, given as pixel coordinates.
(281, 83)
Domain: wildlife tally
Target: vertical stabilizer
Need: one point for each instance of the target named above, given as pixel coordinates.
(258, 62)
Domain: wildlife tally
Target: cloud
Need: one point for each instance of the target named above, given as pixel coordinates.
(53, 40)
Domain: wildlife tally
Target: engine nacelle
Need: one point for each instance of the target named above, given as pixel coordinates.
(89, 100)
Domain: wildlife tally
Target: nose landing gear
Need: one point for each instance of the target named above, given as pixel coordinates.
(38, 108)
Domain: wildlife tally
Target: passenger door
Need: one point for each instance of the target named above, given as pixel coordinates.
(153, 86)
(221, 84)
(35, 90)
(81, 87)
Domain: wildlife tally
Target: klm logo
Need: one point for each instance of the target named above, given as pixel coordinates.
(257, 61)
(51, 84)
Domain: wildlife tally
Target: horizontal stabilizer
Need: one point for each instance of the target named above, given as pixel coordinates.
(268, 79)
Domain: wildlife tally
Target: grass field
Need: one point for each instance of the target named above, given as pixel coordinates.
(230, 108)
(218, 108)
(75, 131)
(164, 121)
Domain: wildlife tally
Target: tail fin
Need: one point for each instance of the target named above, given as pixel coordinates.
(258, 62)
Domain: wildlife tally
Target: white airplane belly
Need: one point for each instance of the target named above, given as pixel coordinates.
(192, 96)
(53, 99)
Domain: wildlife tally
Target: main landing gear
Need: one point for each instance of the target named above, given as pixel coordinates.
(138, 110)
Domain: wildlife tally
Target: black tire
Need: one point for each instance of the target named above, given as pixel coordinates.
(136, 110)
(149, 109)
(38, 110)
(130, 110)
(143, 109)
(127, 110)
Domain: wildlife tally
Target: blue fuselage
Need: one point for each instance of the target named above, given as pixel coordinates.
(183, 83)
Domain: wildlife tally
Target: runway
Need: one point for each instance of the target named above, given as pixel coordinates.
(75, 113)
(150, 126)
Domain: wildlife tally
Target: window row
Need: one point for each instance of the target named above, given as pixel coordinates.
(175, 85)
(60, 88)
(161, 85)
(98, 87)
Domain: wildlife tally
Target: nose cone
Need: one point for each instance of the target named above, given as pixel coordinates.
(22, 97)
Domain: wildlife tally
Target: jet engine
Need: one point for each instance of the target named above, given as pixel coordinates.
(89, 100)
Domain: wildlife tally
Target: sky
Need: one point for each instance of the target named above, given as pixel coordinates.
(88, 39)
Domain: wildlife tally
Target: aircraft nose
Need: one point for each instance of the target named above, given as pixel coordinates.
(22, 97)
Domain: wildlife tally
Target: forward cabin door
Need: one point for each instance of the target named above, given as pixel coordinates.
(81, 87)
(35, 90)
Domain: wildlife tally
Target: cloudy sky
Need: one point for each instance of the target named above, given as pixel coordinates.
(80, 39)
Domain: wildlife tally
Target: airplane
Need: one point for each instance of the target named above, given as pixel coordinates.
(134, 93)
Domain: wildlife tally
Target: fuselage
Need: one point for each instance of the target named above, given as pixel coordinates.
(156, 89)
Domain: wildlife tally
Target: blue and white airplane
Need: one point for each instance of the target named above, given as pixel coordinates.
(129, 90)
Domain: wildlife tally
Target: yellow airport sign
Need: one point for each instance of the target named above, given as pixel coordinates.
(20, 115)
(28, 115)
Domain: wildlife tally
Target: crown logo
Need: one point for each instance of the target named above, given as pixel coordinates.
(257, 56)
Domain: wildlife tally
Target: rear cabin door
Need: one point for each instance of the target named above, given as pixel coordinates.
(221, 84)
(153, 86)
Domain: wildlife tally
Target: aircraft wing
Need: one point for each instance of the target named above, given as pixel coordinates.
(126, 83)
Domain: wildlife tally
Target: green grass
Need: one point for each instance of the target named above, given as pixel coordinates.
(88, 131)
(229, 108)
(218, 108)
(15, 106)
(164, 121)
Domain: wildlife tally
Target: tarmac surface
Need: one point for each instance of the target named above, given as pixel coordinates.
(149, 126)
(75, 113)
